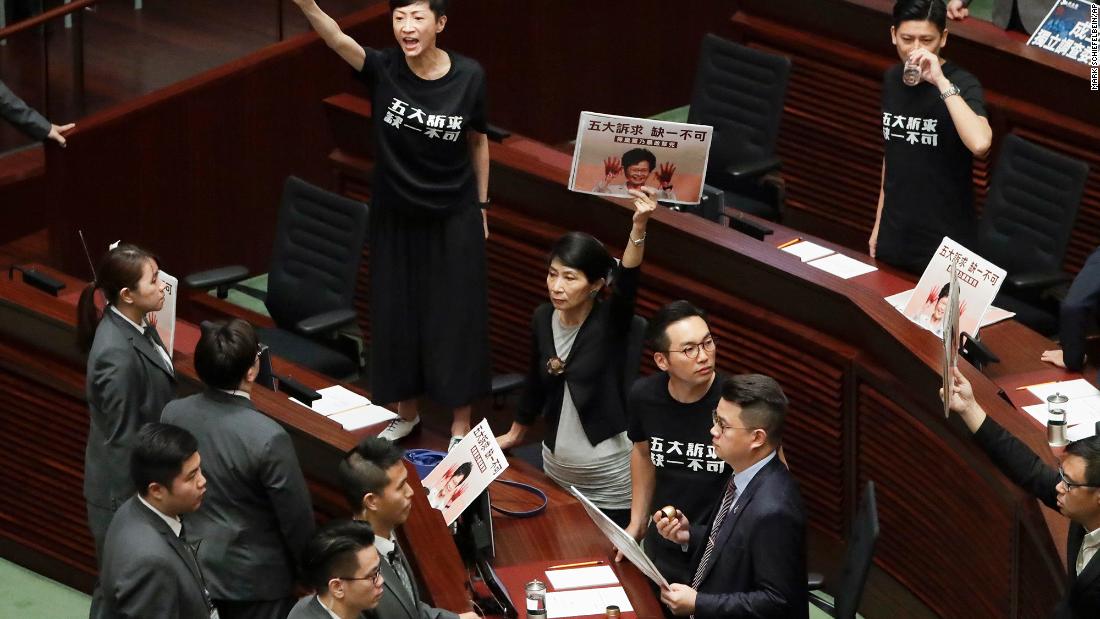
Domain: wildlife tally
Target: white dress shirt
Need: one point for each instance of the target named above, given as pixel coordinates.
(174, 522)
(1089, 546)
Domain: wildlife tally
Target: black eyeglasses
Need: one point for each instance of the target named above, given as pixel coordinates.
(1069, 484)
(722, 425)
(373, 576)
(691, 351)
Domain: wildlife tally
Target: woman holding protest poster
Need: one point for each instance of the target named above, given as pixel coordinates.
(581, 371)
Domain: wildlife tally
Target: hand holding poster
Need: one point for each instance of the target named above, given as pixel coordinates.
(465, 473)
(623, 541)
(617, 153)
(979, 282)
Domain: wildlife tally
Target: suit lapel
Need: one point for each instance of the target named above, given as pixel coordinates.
(1092, 568)
(392, 583)
(175, 543)
(139, 342)
(739, 506)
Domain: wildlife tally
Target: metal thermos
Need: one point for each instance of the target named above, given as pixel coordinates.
(1056, 420)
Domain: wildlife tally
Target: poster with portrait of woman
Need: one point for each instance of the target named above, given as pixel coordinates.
(979, 281)
(465, 473)
(615, 154)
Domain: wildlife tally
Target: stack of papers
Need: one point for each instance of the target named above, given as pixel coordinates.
(807, 250)
(585, 602)
(576, 578)
(348, 408)
(826, 259)
(842, 266)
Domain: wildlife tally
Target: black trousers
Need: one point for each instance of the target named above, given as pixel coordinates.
(428, 305)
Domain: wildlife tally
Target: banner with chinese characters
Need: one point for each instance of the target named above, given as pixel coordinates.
(465, 473)
(979, 281)
(617, 153)
(1069, 30)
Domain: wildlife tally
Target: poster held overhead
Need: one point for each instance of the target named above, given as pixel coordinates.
(614, 154)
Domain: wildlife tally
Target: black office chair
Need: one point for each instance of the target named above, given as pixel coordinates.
(740, 92)
(857, 562)
(311, 285)
(1029, 215)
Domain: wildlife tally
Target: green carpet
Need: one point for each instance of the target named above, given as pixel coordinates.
(26, 595)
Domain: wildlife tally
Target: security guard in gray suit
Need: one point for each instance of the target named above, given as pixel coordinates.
(257, 516)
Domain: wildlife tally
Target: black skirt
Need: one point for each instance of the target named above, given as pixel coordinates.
(428, 305)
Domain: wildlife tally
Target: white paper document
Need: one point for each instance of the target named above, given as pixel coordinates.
(576, 578)
(842, 266)
(1072, 389)
(166, 315)
(993, 315)
(336, 399)
(622, 540)
(807, 250)
(585, 602)
(900, 300)
(1080, 431)
(363, 416)
(1078, 411)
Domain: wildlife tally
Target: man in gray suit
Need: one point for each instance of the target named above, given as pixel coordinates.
(376, 484)
(148, 568)
(1024, 15)
(257, 516)
(26, 119)
(343, 567)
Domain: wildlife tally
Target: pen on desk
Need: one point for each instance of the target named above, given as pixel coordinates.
(581, 564)
(1053, 382)
(796, 239)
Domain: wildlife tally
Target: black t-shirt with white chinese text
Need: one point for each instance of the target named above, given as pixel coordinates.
(421, 152)
(928, 185)
(689, 474)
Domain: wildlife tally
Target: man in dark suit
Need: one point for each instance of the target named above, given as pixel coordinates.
(148, 568)
(749, 557)
(1079, 310)
(1073, 490)
(26, 119)
(257, 515)
(376, 484)
(1024, 15)
(343, 567)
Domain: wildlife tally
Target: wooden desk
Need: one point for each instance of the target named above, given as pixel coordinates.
(43, 524)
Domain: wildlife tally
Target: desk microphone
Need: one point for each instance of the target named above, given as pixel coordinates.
(37, 279)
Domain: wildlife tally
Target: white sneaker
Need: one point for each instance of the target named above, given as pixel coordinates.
(399, 428)
(455, 440)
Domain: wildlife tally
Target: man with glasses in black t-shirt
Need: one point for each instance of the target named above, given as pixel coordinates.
(673, 461)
